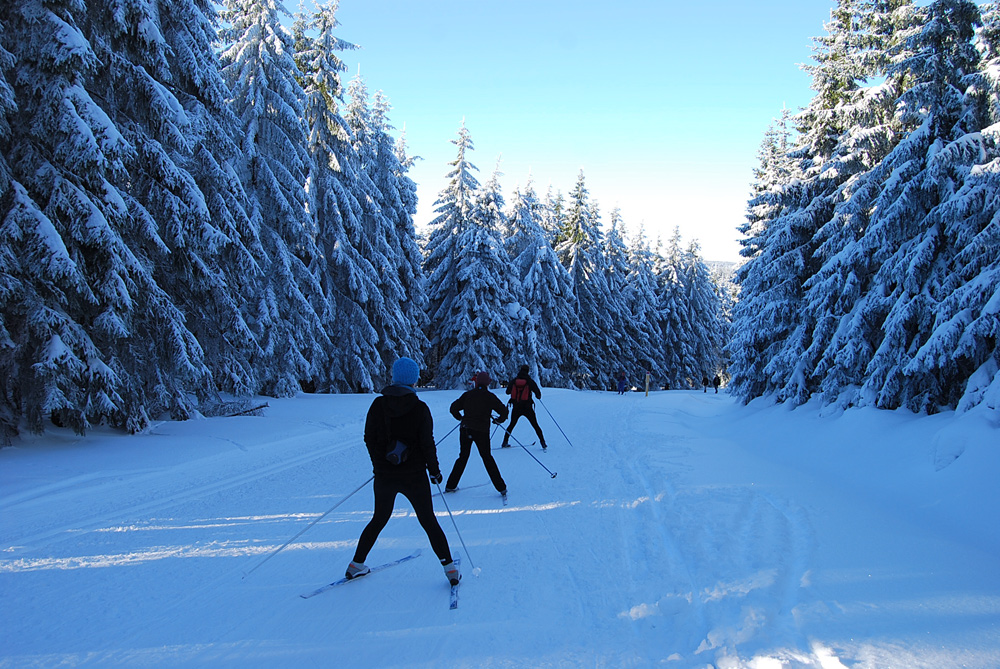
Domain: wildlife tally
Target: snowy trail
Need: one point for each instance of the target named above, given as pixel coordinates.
(681, 531)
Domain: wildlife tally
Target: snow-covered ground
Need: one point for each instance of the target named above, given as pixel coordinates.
(682, 530)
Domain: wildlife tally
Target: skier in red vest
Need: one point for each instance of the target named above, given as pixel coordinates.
(520, 390)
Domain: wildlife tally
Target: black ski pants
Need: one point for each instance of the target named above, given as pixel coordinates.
(466, 438)
(526, 409)
(415, 488)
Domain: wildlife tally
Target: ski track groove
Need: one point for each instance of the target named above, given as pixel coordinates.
(671, 556)
(19, 544)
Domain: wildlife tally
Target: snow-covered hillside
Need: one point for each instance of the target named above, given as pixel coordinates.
(682, 530)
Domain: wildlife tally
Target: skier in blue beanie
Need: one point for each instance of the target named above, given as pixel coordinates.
(399, 434)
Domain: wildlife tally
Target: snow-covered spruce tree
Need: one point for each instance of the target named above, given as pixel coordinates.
(580, 248)
(410, 264)
(11, 287)
(454, 207)
(216, 254)
(347, 279)
(841, 63)
(553, 214)
(705, 317)
(163, 90)
(765, 297)
(508, 325)
(636, 344)
(86, 294)
(872, 129)
(378, 197)
(467, 271)
(962, 349)
(545, 290)
(402, 277)
(259, 67)
(923, 272)
(903, 242)
(673, 314)
(642, 305)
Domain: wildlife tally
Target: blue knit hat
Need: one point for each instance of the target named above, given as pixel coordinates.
(405, 372)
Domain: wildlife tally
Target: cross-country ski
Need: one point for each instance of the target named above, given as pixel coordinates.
(371, 570)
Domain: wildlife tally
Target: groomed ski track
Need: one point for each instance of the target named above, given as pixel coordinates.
(669, 538)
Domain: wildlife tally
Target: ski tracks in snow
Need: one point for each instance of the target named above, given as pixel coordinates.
(727, 559)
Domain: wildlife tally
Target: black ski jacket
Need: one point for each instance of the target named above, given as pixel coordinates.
(400, 410)
(475, 409)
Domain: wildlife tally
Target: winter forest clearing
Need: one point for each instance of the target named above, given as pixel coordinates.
(683, 530)
(196, 212)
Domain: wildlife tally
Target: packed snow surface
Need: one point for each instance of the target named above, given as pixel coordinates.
(682, 530)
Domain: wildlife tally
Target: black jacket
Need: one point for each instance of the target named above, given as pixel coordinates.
(475, 409)
(410, 421)
(532, 386)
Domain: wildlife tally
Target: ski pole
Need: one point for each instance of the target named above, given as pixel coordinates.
(552, 473)
(555, 421)
(273, 553)
(441, 492)
(447, 435)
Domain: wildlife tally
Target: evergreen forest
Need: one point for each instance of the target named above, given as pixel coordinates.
(195, 206)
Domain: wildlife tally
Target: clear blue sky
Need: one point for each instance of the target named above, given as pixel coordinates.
(661, 103)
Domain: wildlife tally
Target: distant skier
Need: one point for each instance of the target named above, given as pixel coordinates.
(704, 383)
(622, 383)
(716, 382)
(520, 389)
(399, 434)
(475, 409)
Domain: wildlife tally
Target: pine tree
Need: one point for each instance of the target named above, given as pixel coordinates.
(962, 348)
(641, 304)
(674, 317)
(872, 131)
(636, 344)
(217, 254)
(410, 262)
(704, 317)
(86, 295)
(580, 248)
(545, 290)
(11, 285)
(267, 98)
(455, 209)
(347, 280)
(553, 214)
(402, 278)
(169, 100)
(903, 241)
(765, 296)
(469, 297)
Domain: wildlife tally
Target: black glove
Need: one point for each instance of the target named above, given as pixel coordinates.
(436, 478)
(498, 421)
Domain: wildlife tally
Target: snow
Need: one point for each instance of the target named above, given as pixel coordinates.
(683, 530)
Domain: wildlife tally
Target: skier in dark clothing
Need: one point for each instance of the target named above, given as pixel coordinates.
(520, 390)
(704, 383)
(716, 382)
(622, 383)
(399, 434)
(475, 409)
